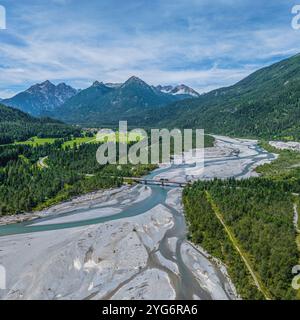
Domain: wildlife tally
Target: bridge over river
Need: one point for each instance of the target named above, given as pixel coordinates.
(161, 182)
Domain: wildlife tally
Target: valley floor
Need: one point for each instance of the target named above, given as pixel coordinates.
(126, 243)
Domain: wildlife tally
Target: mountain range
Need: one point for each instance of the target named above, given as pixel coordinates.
(105, 104)
(82, 106)
(265, 104)
(41, 98)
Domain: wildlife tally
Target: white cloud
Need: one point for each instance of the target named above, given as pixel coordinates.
(59, 48)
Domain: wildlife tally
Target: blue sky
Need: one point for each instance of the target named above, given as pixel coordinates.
(203, 43)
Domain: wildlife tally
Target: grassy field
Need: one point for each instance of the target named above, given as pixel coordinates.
(130, 137)
(79, 141)
(100, 137)
(117, 137)
(35, 141)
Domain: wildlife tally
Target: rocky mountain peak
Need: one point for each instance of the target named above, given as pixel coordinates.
(97, 84)
(181, 89)
(135, 81)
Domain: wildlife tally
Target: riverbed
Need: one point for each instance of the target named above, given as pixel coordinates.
(125, 243)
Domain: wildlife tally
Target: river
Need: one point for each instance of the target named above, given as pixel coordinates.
(79, 250)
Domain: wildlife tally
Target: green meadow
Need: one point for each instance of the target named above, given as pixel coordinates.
(35, 141)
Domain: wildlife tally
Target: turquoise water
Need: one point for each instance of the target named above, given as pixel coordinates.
(158, 196)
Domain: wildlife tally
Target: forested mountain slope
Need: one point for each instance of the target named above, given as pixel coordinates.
(101, 104)
(41, 98)
(265, 104)
(17, 125)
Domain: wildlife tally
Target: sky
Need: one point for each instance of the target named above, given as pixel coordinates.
(205, 44)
